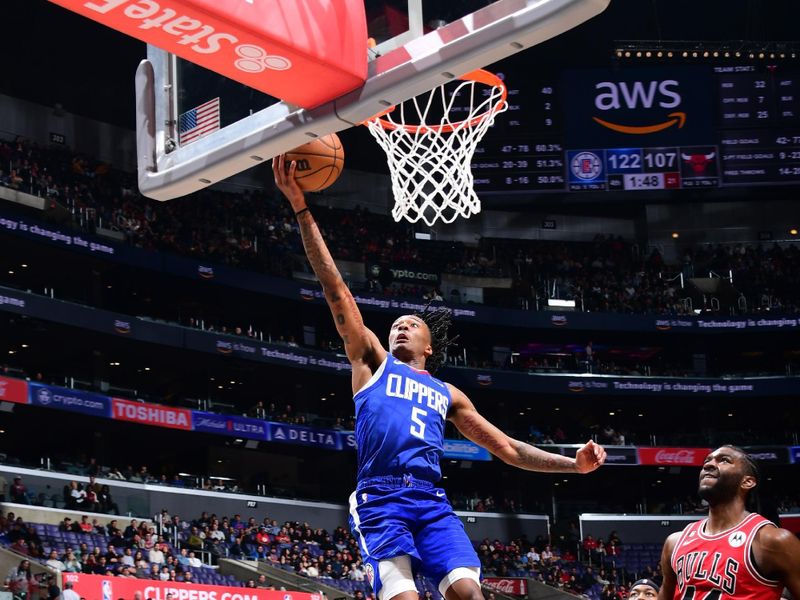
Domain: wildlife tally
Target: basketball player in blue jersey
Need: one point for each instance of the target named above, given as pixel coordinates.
(402, 520)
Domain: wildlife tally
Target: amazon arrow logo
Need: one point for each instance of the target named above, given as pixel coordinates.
(678, 118)
(635, 96)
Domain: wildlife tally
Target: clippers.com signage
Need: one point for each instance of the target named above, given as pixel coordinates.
(513, 586)
(151, 414)
(673, 457)
(639, 107)
(254, 43)
(95, 587)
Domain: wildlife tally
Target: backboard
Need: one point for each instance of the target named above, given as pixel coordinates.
(415, 46)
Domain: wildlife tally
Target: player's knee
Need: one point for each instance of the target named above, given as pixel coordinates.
(396, 578)
(473, 592)
(462, 583)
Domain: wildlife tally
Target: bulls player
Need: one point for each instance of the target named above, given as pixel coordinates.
(733, 553)
(403, 522)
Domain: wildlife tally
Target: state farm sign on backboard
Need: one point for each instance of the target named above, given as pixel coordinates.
(268, 45)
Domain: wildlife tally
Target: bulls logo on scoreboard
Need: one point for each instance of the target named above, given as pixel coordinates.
(699, 165)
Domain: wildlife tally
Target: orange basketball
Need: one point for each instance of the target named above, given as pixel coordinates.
(319, 162)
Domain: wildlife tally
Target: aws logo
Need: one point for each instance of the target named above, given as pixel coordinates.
(655, 96)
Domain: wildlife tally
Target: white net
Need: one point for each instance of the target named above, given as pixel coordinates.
(429, 155)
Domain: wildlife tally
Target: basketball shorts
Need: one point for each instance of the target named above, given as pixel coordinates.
(395, 516)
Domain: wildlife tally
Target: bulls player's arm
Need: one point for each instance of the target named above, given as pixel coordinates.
(667, 591)
(362, 346)
(475, 427)
(777, 555)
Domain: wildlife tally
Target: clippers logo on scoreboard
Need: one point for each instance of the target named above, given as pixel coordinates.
(586, 169)
(586, 166)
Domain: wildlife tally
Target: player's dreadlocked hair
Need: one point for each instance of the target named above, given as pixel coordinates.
(438, 321)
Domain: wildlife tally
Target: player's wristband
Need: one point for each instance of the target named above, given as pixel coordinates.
(301, 211)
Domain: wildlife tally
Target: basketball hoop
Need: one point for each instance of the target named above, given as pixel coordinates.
(429, 154)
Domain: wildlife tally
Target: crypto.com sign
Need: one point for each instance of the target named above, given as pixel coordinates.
(268, 45)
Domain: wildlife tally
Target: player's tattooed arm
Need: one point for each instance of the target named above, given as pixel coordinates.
(476, 428)
(361, 344)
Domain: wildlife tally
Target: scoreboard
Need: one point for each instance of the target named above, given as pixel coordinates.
(642, 168)
(742, 129)
(524, 149)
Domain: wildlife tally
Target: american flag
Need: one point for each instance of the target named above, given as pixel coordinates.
(198, 122)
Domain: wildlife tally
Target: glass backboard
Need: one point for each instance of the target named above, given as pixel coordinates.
(415, 45)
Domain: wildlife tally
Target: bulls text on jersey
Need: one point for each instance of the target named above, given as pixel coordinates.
(699, 565)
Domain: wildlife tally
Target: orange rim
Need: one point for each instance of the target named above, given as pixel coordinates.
(479, 75)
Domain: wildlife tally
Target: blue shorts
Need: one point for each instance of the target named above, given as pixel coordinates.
(393, 516)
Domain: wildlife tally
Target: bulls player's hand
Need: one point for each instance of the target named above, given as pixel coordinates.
(590, 457)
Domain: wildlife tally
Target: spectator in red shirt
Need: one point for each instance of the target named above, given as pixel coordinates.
(262, 537)
(283, 536)
(85, 526)
(590, 545)
(19, 493)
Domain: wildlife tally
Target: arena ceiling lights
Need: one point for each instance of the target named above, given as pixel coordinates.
(642, 50)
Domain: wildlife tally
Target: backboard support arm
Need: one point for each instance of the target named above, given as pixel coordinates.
(503, 28)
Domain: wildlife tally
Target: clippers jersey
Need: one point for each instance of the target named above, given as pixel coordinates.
(400, 418)
(707, 566)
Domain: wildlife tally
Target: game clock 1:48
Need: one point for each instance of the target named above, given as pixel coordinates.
(647, 181)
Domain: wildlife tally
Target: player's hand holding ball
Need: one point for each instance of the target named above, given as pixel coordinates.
(590, 457)
(284, 179)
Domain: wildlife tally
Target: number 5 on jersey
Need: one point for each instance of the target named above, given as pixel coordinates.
(418, 425)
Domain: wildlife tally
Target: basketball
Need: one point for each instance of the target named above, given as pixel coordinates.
(319, 162)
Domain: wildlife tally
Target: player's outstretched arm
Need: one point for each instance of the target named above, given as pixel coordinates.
(667, 591)
(513, 452)
(361, 345)
(777, 554)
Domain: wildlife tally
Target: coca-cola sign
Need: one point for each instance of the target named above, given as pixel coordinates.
(674, 457)
(513, 586)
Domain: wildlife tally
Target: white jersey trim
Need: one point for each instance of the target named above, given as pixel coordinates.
(748, 553)
(357, 522)
(722, 534)
(678, 544)
(375, 376)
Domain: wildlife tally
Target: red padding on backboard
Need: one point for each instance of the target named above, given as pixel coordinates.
(305, 52)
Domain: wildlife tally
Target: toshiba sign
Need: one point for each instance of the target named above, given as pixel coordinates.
(254, 43)
(676, 457)
(151, 414)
